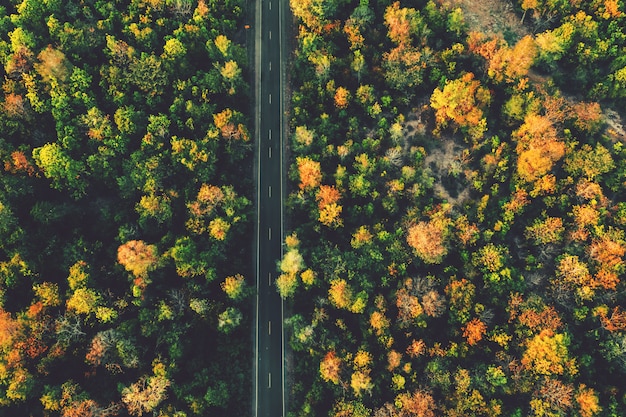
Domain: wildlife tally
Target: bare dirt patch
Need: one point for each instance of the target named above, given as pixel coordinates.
(615, 126)
(492, 17)
(446, 158)
(446, 162)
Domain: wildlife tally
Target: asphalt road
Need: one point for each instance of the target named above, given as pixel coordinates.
(269, 357)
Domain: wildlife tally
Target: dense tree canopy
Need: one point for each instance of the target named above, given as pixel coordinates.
(118, 294)
(472, 262)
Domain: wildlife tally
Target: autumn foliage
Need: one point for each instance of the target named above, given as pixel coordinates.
(428, 240)
(137, 257)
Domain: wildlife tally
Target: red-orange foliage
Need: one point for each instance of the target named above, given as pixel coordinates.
(556, 108)
(327, 194)
(34, 310)
(20, 62)
(32, 346)
(474, 331)
(310, 173)
(468, 233)
(353, 33)
(585, 215)
(616, 322)
(19, 163)
(340, 293)
(416, 348)
(327, 197)
(399, 20)
(84, 408)
(14, 105)
(547, 318)
(209, 196)
(504, 62)
(606, 279)
(608, 252)
(379, 322)
(590, 190)
(330, 367)
(478, 43)
(587, 401)
(97, 351)
(9, 328)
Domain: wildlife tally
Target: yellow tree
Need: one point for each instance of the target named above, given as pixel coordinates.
(587, 400)
(538, 147)
(291, 265)
(327, 197)
(511, 64)
(547, 354)
(48, 294)
(330, 215)
(223, 45)
(146, 394)
(234, 286)
(463, 102)
(84, 301)
(546, 231)
(573, 274)
(340, 293)
(287, 284)
(361, 381)
(379, 322)
(308, 277)
(342, 97)
(292, 262)
(231, 73)
(218, 228)
(303, 136)
(310, 173)
(310, 12)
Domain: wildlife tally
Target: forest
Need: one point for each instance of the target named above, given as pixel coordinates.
(125, 208)
(457, 208)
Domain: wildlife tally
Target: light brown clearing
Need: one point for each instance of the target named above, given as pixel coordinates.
(491, 17)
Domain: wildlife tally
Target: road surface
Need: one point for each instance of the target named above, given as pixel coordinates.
(269, 398)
